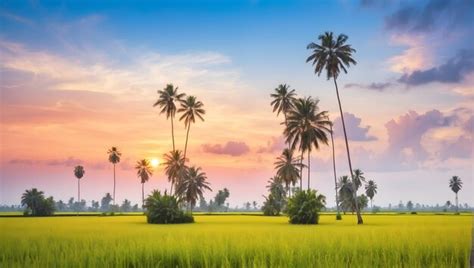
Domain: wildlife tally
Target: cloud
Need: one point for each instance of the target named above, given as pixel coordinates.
(416, 18)
(453, 71)
(372, 86)
(275, 144)
(355, 131)
(232, 148)
(416, 55)
(68, 162)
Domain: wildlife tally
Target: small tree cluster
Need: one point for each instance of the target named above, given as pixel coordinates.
(36, 204)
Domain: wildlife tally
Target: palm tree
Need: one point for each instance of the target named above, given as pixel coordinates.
(114, 158)
(175, 167)
(166, 101)
(332, 56)
(307, 128)
(283, 99)
(32, 199)
(358, 178)
(144, 172)
(370, 191)
(287, 168)
(191, 108)
(338, 215)
(79, 173)
(455, 183)
(192, 186)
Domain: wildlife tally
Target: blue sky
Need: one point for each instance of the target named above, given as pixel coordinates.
(68, 67)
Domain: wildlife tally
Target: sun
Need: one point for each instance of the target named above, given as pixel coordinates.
(155, 162)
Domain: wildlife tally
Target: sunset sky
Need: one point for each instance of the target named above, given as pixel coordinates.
(79, 77)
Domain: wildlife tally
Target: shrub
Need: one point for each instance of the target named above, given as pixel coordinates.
(164, 209)
(304, 207)
(338, 216)
(272, 206)
(413, 213)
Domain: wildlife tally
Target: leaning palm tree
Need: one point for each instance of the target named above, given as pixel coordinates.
(338, 214)
(191, 108)
(167, 102)
(307, 128)
(79, 173)
(31, 199)
(192, 186)
(370, 191)
(144, 172)
(175, 167)
(331, 56)
(114, 158)
(287, 168)
(455, 183)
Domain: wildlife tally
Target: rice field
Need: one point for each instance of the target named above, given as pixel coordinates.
(236, 241)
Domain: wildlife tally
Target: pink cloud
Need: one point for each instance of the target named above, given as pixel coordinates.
(232, 148)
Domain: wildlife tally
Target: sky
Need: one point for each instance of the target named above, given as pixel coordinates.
(79, 77)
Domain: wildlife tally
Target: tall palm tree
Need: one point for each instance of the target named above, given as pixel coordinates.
(455, 183)
(287, 168)
(144, 172)
(167, 102)
(332, 56)
(192, 186)
(114, 158)
(32, 199)
(338, 215)
(283, 99)
(358, 178)
(370, 191)
(307, 128)
(175, 167)
(191, 108)
(79, 173)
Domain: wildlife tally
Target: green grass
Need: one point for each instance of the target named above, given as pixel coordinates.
(236, 241)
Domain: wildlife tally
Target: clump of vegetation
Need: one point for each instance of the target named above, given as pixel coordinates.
(164, 209)
(36, 204)
(275, 202)
(304, 207)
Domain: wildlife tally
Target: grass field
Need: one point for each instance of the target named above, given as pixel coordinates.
(236, 241)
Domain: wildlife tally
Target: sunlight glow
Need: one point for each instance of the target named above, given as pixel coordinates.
(155, 162)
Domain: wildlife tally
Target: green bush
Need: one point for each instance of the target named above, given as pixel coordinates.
(164, 209)
(304, 207)
(36, 204)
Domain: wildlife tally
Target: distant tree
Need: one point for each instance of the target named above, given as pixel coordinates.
(60, 205)
(247, 205)
(191, 108)
(95, 205)
(332, 55)
(114, 158)
(448, 205)
(105, 202)
(135, 208)
(144, 172)
(221, 197)
(192, 186)
(126, 206)
(455, 183)
(79, 173)
(36, 204)
(371, 190)
(202, 203)
(410, 205)
(70, 204)
(275, 201)
(288, 168)
(254, 203)
(167, 100)
(401, 206)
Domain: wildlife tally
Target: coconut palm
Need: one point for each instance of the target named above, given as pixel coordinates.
(358, 178)
(370, 191)
(144, 172)
(455, 183)
(175, 167)
(167, 102)
(32, 199)
(331, 56)
(287, 168)
(307, 127)
(283, 99)
(191, 108)
(192, 186)
(79, 173)
(114, 158)
(338, 215)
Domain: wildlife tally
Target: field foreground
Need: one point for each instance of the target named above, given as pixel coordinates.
(236, 241)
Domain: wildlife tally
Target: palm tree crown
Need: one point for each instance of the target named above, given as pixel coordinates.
(371, 189)
(358, 178)
(144, 170)
(114, 155)
(175, 167)
(287, 167)
(79, 172)
(455, 183)
(191, 108)
(283, 99)
(331, 55)
(31, 199)
(192, 186)
(167, 100)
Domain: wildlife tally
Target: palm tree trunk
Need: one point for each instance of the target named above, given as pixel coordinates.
(301, 172)
(457, 207)
(359, 216)
(172, 132)
(143, 194)
(309, 168)
(334, 169)
(78, 194)
(186, 144)
(114, 185)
